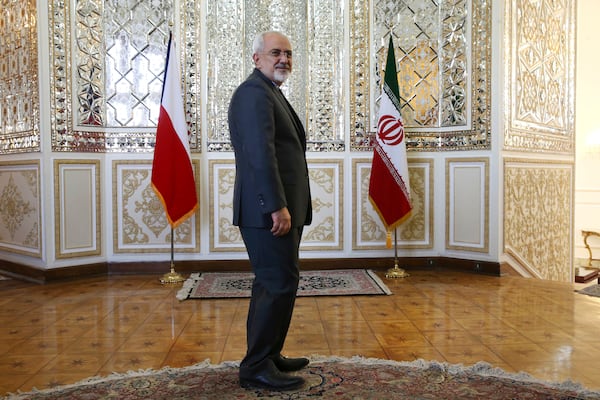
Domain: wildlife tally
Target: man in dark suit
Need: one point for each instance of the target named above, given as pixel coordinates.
(271, 205)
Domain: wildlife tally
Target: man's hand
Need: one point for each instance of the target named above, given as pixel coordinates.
(282, 222)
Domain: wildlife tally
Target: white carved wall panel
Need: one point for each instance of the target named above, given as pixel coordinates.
(77, 208)
(223, 235)
(139, 220)
(467, 204)
(540, 84)
(416, 232)
(20, 208)
(325, 232)
(539, 118)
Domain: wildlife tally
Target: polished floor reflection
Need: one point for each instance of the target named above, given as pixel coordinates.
(61, 333)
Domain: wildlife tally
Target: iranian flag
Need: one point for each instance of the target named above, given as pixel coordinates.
(172, 171)
(389, 190)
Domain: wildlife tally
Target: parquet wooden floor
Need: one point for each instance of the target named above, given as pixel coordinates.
(63, 332)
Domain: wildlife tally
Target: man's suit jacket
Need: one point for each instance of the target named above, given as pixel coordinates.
(270, 144)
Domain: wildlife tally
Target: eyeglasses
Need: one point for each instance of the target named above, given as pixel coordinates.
(277, 53)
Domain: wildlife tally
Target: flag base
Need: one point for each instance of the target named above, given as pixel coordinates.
(172, 277)
(396, 272)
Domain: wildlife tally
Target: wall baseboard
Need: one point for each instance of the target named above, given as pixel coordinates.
(27, 273)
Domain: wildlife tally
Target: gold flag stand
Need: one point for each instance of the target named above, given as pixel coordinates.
(172, 277)
(396, 272)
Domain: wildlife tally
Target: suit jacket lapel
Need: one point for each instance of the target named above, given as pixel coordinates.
(295, 118)
(284, 102)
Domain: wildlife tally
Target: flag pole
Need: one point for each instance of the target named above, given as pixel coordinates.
(396, 272)
(172, 277)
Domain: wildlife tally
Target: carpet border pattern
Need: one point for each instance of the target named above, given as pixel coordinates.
(481, 368)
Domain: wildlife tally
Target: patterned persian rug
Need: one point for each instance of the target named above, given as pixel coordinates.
(336, 282)
(332, 378)
(593, 290)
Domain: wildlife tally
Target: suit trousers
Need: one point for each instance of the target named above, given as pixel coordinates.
(274, 261)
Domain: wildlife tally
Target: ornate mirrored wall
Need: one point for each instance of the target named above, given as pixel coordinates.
(109, 60)
(19, 85)
(443, 56)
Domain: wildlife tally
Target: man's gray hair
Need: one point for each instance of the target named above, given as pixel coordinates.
(258, 44)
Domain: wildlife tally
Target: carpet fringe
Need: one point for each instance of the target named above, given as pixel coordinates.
(188, 286)
(481, 368)
(379, 282)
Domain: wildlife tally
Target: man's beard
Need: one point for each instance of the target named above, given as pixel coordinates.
(281, 75)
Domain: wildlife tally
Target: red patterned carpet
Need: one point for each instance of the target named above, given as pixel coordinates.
(332, 378)
(339, 282)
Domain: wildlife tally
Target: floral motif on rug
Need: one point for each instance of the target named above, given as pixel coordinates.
(333, 378)
(339, 282)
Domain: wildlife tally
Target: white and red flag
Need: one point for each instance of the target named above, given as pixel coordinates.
(172, 170)
(389, 190)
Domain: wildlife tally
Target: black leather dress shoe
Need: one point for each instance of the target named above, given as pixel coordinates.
(285, 364)
(272, 380)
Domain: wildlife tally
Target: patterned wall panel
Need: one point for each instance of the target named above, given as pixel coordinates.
(20, 208)
(467, 204)
(325, 232)
(139, 220)
(416, 232)
(540, 84)
(19, 84)
(538, 216)
(78, 208)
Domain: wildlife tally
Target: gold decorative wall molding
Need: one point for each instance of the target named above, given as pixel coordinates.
(77, 208)
(417, 232)
(20, 208)
(538, 216)
(467, 204)
(139, 220)
(540, 79)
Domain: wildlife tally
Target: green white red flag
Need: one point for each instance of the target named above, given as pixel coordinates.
(389, 190)
(172, 170)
